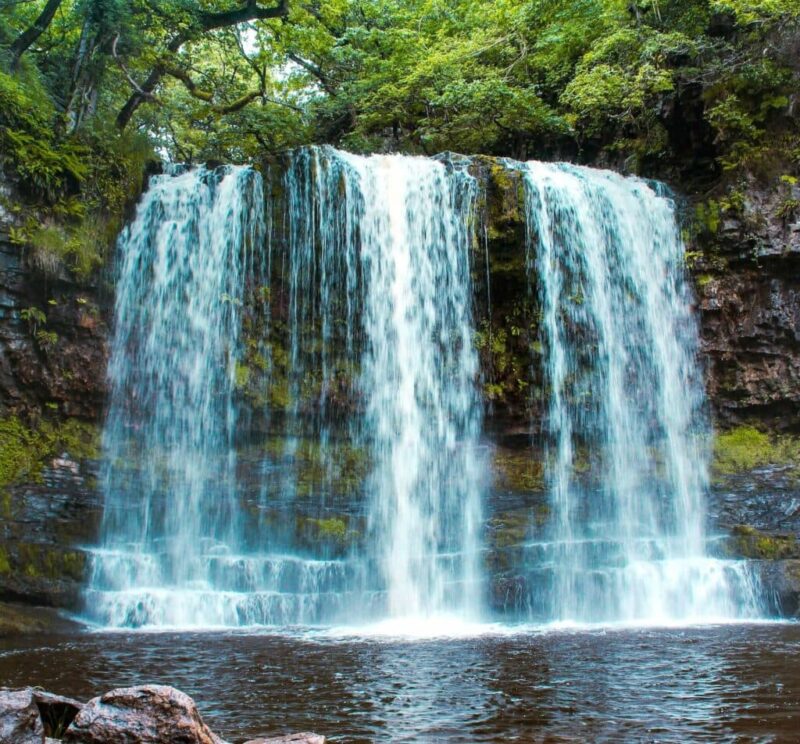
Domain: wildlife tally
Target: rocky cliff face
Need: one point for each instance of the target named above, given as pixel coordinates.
(53, 355)
(748, 285)
(53, 331)
(746, 265)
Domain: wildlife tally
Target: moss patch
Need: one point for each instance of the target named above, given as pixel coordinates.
(330, 535)
(518, 471)
(745, 448)
(24, 450)
(748, 542)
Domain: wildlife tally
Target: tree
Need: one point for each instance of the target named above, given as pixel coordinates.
(23, 42)
(202, 23)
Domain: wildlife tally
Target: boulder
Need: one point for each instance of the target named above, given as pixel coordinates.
(302, 738)
(20, 721)
(780, 580)
(148, 714)
(56, 711)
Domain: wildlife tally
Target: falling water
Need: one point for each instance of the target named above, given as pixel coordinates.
(341, 308)
(367, 267)
(626, 435)
(378, 274)
(169, 464)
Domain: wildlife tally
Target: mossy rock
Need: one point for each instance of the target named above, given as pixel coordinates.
(745, 448)
(24, 450)
(748, 542)
(334, 535)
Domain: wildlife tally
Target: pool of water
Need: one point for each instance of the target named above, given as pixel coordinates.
(713, 683)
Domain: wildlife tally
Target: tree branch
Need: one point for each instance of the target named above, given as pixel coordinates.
(311, 68)
(139, 91)
(250, 11)
(190, 85)
(33, 32)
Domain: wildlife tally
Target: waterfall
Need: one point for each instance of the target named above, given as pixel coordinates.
(380, 301)
(340, 310)
(626, 433)
(366, 266)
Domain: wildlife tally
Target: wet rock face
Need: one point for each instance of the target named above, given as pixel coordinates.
(750, 335)
(748, 283)
(42, 526)
(782, 578)
(55, 361)
(150, 714)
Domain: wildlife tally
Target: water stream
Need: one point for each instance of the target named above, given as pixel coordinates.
(340, 309)
(627, 435)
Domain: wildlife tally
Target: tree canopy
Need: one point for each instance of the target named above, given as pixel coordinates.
(235, 79)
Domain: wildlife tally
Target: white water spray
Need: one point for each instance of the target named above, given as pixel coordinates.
(625, 403)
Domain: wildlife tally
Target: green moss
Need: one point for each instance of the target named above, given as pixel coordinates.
(745, 448)
(5, 566)
(25, 450)
(241, 375)
(333, 528)
(334, 535)
(280, 394)
(748, 542)
(518, 471)
(708, 216)
(505, 200)
(43, 562)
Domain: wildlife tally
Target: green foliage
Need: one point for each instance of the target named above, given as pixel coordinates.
(47, 168)
(745, 448)
(24, 450)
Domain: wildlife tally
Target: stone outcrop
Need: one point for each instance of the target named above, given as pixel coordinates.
(782, 578)
(747, 272)
(43, 526)
(53, 339)
(148, 714)
(29, 715)
(20, 721)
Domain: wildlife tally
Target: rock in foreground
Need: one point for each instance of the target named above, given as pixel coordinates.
(29, 714)
(20, 722)
(148, 714)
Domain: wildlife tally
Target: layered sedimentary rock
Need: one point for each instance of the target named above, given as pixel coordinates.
(745, 265)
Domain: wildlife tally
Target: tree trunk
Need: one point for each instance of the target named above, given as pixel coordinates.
(23, 42)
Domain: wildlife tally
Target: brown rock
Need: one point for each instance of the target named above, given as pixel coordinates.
(57, 712)
(302, 738)
(149, 714)
(20, 722)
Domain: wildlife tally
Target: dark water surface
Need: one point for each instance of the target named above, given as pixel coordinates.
(723, 683)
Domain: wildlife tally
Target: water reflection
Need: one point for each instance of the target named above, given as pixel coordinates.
(724, 683)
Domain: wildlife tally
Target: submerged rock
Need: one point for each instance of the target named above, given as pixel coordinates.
(149, 714)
